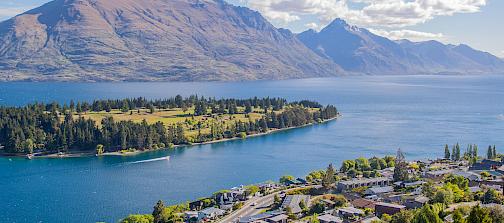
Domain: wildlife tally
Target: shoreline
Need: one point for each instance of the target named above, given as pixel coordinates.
(79, 154)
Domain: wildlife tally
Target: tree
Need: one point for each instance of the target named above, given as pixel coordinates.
(328, 181)
(137, 218)
(479, 215)
(458, 216)
(347, 165)
(100, 149)
(362, 164)
(158, 210)
(152, 109)
(252, 189)
(447, 152)
(401, 167)
(490, 154)
(277, 200)
(426, 214)
(492, 196)
(404, 216)
(285, 179)
(29, 145)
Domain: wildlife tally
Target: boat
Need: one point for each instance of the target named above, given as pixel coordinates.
(29, 156)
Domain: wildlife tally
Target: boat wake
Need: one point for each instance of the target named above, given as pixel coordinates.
(151, 160)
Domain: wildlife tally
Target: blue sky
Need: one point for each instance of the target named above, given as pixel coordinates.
(477, 23)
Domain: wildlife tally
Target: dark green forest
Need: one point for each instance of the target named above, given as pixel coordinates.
(49, 128)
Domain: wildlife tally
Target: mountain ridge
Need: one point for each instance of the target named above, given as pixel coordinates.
(359, 50)
(151, 40)
(206, 40)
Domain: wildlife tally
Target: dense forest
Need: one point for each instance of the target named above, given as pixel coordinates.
(60, 128)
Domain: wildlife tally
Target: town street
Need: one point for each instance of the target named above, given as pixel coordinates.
(248, 209)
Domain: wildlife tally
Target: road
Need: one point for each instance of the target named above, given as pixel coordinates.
(249, 209)
(262, 203)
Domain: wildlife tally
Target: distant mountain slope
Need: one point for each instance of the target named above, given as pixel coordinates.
(358, 50)
(127, 40)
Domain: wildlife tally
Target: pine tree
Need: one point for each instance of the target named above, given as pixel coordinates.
(158, 210)
(447, 152)
(328, 180)
(457, 152)
(401, 167)
(490, 153)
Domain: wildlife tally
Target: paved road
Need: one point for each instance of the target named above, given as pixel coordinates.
(248, 209)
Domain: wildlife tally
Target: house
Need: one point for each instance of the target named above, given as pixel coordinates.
(438, 174)
(270, 217)
(364, 182)
(379, 190)
(197, 205)
(474, 178)
(486, 165)
(327, 218)
(293, 201)
(416, 202)
(387, 208)
(226, 207)
(370, 220)
(328, 203)
(228, 197)
(210, 213)
(301, 181)
(281, 218)
(363, 203)
(349, 212)
(191, 216)
(412, 184)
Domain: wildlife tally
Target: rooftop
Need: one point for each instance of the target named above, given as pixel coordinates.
(329, 218)
(364, 180)
(390, 205)
(293, 201)
(380, 190)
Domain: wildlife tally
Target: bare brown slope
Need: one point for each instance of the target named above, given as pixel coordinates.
(183, 40)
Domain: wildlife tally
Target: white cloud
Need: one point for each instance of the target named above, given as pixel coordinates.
(408, 34)
(375, 13)
(312, 25)
(10, 12)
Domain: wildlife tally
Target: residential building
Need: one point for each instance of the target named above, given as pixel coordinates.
(438, 174)
(327, 218)
(379, 190)
(363, 182)
(349, 212)
(363, 203)
(387, 208)
(210, 213)
(416, 202)
(270, 217)
(293, 201)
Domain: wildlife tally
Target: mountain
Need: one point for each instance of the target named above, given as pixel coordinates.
(358, 50)
(149, 40)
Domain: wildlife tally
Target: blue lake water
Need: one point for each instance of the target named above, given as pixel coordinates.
(380, 114)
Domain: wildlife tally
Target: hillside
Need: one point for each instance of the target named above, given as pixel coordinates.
(358, 50)
(151, 40)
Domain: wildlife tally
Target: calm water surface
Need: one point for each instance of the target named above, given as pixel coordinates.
(380, 114)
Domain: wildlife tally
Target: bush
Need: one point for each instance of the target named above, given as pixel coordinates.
(137, 218)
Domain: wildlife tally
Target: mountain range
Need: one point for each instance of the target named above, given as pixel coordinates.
(204, 40)
(359, 50)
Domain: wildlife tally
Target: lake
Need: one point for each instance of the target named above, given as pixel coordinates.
(418, 114)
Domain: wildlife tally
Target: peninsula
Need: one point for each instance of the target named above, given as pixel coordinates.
(128, 126)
